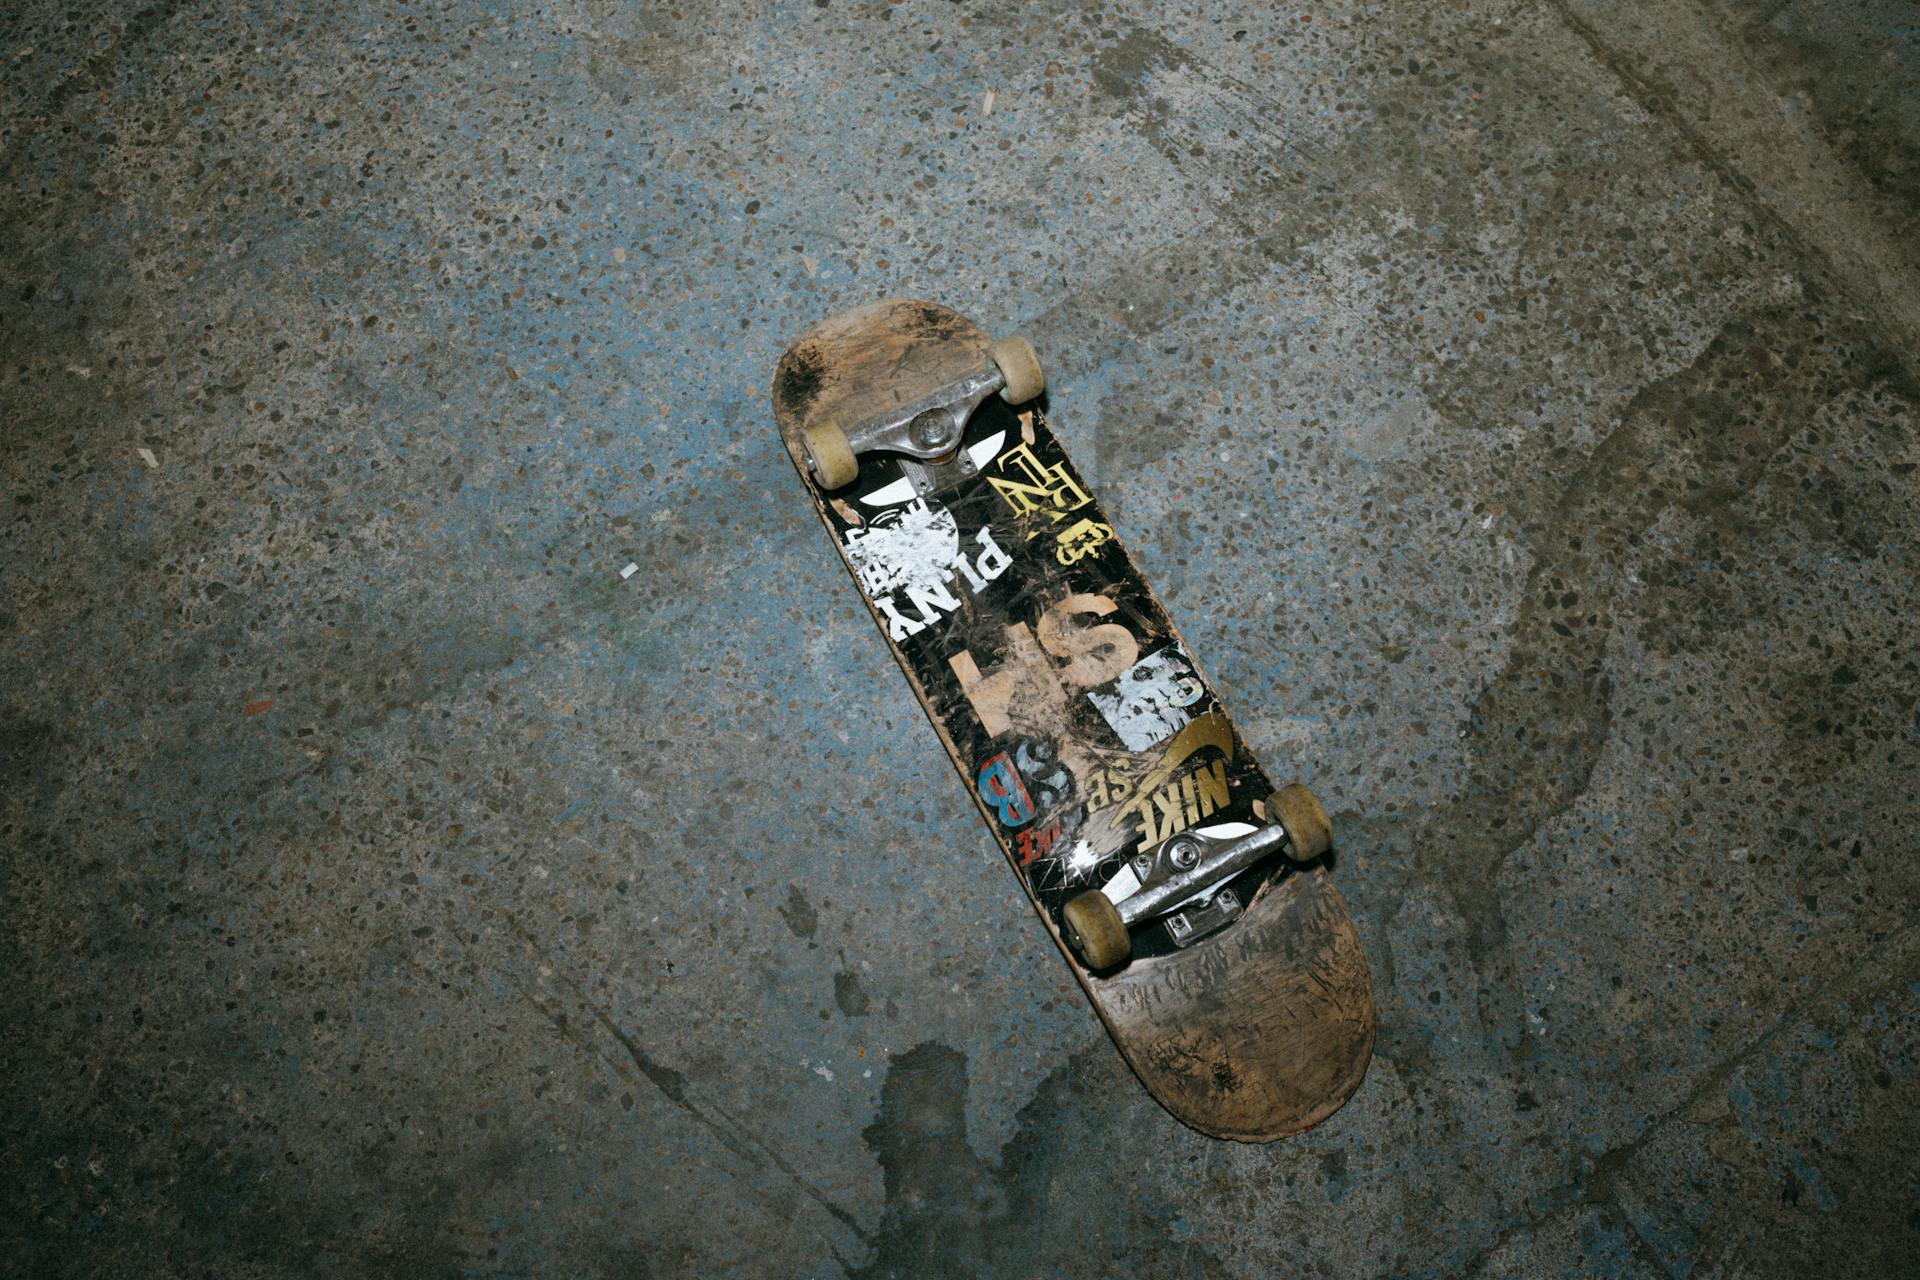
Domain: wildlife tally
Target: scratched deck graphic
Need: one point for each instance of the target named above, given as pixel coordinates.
(1084, 728)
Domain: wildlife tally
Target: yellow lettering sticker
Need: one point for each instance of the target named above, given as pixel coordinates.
(1033, 489)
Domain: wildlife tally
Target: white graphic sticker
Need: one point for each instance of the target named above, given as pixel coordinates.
(1147, 703)
(914, 552)
(910, 546)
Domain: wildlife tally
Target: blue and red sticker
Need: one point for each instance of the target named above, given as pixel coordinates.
(1020, 784)
(1002, 790)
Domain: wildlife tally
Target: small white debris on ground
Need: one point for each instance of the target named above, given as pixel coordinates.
(146, 456)
(629, 571)
(986, 104)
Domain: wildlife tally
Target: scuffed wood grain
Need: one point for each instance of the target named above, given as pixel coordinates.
(861, 363)
(1260, 1031)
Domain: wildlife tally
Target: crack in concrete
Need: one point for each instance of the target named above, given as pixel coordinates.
(671, 1083)
(1599, 1186)
(94, 70)
(1819, 205)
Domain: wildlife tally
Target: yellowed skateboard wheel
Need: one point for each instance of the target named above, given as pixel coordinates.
(1019, 367)
(1308, 828)
(829, 453)
(1095, 930)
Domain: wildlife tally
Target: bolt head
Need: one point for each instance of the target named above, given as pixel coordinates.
(932, 429)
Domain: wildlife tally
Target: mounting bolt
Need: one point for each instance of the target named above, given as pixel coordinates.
(933, 429)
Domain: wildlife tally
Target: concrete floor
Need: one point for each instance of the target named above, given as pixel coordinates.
(1515, 402)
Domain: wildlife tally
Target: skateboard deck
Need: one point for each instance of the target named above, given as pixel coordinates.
(1080, 722)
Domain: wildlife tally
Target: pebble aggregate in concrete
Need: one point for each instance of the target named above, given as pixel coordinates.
(1515, 404)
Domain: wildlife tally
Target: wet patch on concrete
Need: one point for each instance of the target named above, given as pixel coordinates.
(1057, 1198)
(1710, 447)
(850, 994)
(799, 914)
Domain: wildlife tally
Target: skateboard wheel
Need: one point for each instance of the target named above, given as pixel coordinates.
(1019, 368)
(1094, 930)
(829, 454)
(1308, 829)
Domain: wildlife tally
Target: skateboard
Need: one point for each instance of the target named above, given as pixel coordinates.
(1191, 897)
